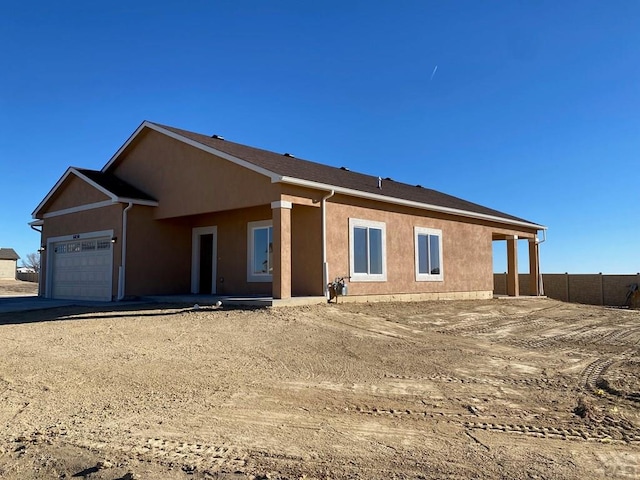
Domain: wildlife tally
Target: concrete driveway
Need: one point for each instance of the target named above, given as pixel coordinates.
(21, 303)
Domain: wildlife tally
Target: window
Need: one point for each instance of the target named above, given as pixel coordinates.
(428, 254)
(260, 251)
(367, 251)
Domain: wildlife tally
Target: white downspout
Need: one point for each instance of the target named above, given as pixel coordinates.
(325, 265)
(40, 294)
(123, 258)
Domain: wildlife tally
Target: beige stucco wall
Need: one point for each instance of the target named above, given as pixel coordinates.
(189, 181)
(306, 251)
(158, 254)
(467, 248)
(7, 269)
(231, 272)
(73, 192)
(105, 218)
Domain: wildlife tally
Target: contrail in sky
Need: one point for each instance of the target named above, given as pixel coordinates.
(434, 72)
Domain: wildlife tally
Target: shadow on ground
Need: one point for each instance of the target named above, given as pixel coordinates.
(108, 310)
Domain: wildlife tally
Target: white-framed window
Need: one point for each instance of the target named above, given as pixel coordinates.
(367, 251)
(428, 257)
(260, 251)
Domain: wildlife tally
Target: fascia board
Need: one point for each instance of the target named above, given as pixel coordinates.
(137, 201)
(195, 144)
(124, 146)
(113, 198)
(406, 203)
(51, 192)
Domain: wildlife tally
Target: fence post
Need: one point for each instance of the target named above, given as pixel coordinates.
(601, 289)
(566, 286)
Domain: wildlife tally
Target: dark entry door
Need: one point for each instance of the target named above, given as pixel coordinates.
(206, 263)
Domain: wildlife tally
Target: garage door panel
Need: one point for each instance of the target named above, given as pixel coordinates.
(83, 269)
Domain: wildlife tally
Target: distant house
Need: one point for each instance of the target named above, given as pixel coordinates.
(8, 263)
(174, 212)
(26, 270)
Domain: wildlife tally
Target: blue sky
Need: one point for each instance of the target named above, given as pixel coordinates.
(534, 108)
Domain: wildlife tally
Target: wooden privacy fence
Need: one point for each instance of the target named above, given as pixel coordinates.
(27, 277)
(592, 289)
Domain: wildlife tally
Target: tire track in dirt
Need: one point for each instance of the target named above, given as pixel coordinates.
(190, 456)
(527, 382)
(611, 432)
(619, 337)
(593, 371)
(495, 326)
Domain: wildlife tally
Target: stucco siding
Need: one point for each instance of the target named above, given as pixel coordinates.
(189, 181)
(467, 250)
(231, 271)
(158, 254)
(72, 193)
(306, 251)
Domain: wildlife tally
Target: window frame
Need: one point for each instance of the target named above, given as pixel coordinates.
(251, 228)
(428, 277)
(367, 277)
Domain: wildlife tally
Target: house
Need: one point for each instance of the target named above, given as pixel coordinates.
(176, 212)
(8, 263)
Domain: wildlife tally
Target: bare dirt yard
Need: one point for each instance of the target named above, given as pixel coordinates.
(17, 287)
(468, 389)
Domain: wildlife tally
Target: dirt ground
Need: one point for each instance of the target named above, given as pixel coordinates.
(16, 287)
(511, 389)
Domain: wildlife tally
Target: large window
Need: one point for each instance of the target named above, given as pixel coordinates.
(260, 251)
(428, 254)
(367, 251)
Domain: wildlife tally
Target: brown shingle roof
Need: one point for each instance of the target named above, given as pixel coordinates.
(316, 172)
(8, 254)
(113, 184)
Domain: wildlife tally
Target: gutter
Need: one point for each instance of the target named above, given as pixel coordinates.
(325, 265)
(407, 203)
(33, 225)
(123, 258)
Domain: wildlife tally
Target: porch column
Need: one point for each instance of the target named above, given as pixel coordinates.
(534, 268)
(513, 288)
(281, 249)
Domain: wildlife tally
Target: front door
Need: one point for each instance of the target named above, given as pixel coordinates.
(203, 260)
(206, 263)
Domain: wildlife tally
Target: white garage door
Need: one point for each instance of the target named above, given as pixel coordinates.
(82, 269)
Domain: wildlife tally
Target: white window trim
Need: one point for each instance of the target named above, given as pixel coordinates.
(367, 277)
(251, 276)
(427, 277)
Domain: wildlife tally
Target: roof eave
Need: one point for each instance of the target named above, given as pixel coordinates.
(146, 124)
(114, 198)
(406, 203)
(137, 201)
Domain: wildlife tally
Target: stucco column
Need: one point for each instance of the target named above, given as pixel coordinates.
(513, 288)
(281, 213)
(534, 268)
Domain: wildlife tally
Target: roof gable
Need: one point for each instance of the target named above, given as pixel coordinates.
(288, 169)
(115, 189)
(8, 254)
